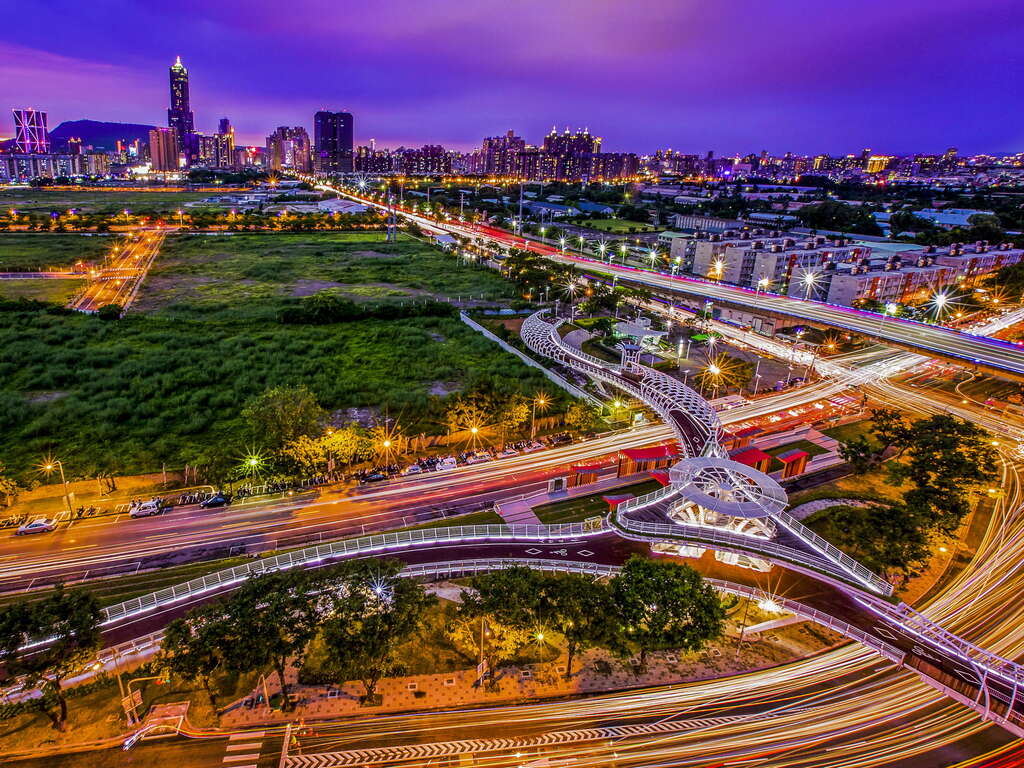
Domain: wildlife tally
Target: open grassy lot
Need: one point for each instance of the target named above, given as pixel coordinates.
(127, 396)
(95, 200)
(196, 271)
(617, 226)
(39, 252)
(54, 291)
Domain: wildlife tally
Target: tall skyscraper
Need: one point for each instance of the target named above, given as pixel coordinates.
(332, 142)
(163, 149)
(179, 116)
(288, 148)
(30, 135)
(225, 144)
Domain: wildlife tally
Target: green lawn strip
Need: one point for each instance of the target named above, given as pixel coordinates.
(19, 252)
(580, 508)
(617, 226)
(58, 291)
(802, 445)
(846, 432)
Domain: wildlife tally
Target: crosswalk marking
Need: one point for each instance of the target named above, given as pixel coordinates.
(247, 745)
(247, 735)
(240, 758)
(447, 748)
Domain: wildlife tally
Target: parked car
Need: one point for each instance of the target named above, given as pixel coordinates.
(375, 477)
(145, 509)
(39, 525)
(413, 469)
(217, 500)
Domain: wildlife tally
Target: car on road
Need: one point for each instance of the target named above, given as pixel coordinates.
(412, 469)
(39, 525)
(375, 477)
(217, 500)
(145, 509)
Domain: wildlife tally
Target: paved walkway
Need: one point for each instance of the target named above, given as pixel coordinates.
(801, 511)
(595, 670)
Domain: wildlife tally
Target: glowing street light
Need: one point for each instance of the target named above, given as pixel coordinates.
(653, 256)
(809, 280)
(561, 242)
(622, 252)
(762, 285)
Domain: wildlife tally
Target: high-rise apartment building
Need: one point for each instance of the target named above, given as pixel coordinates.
(572, 152)
(332, 142)
(163, 149)
(179, 115)
(500, 155)
(289, 148)
(30, 134)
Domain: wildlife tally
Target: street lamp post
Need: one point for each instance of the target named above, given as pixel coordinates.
(541, 401)
(60, 465)
(889, 309)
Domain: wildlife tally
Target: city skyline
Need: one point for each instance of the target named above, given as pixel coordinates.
(807, 81)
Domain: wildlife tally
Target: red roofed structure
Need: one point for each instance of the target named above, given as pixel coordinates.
(752, 457)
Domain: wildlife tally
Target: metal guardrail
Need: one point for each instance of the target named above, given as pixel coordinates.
(321, 552)
(641, 502)
(847, 563)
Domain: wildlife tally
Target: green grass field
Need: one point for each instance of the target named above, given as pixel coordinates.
(617, 226)
(196, 271)
(19, 252)
(846, 432)
(127, 396)
(54, 291)
(95, 200)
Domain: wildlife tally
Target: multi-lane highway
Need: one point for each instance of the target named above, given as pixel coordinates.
(993, 354)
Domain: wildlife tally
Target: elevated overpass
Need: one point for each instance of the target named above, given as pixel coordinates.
(994, 356)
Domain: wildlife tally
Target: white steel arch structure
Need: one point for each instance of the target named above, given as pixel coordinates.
(699, 431)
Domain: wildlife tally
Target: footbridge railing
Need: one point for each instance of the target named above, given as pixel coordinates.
(349, 547)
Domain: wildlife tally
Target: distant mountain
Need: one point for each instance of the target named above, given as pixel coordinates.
(99, 134)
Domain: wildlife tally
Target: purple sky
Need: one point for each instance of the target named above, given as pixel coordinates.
(730, 75)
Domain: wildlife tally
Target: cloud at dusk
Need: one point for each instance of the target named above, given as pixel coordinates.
(732, 76)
